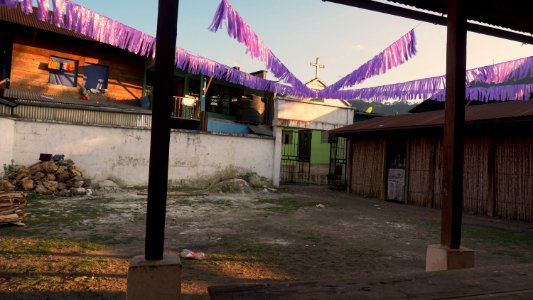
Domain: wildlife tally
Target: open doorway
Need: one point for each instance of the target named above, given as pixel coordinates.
(395, 169)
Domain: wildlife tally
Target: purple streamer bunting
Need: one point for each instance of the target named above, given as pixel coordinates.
(394, 55)
(26, 6)
(59, 12)
(42, 10)
(238, 29)
(498, 93)
(200, 65)
(433, 87)
(77, 18)
(9, 3)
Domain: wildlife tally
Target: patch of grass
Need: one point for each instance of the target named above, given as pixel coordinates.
(312, 238)
(18, 247)
(362, 253)
(50, 211)
(498, 236)
(286, 205)
(31, 281)
(34, 197)
(515, 243)
(111, 239)
(505, 242)
(193, 202)
(240, 249)
(88, 264)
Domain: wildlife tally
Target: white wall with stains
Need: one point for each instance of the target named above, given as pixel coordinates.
(123, 153)
(326, 115)
(7, 139)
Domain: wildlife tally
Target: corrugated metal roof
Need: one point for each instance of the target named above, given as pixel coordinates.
(507, 111)
(505, 19)
(95, 100)
(16, 16)
(510, 14)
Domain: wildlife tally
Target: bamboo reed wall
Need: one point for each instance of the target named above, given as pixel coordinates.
(420, 170)
(438, 182)
(513, 183)
(368, 167)
(498, 173)
(476, 175)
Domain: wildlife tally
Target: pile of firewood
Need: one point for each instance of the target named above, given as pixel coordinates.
(11, 207)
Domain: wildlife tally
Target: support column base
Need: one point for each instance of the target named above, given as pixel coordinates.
(441, 258)
(154, 279)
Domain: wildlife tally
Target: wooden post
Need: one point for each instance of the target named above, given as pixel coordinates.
(452, 206)
(160, 139)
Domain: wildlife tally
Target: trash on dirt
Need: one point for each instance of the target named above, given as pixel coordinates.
(188, 254)
(320, 206)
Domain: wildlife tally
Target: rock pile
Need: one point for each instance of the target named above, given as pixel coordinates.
(11, 207)
(60, 178)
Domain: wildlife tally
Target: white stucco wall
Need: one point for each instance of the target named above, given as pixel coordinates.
(103, 152)
(313, 115)
(7, 139)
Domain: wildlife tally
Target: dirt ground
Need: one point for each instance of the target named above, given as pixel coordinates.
(79, 248)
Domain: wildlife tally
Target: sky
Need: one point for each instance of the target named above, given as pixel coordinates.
(298, 31)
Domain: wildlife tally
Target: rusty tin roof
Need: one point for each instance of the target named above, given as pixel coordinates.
(479, 114)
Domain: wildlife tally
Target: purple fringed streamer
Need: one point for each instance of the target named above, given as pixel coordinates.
(9, 3)
(200, 65)
(507, 71)
(513, 92)
(85, 21)
(148, 45)
(394, 55)
(499, 92)
(42, 10)
(238, 29)
(69, 15)
(433, 87)
(78, 19)
(411, 90)
(100, 29)
(26, 6)
(59, 12)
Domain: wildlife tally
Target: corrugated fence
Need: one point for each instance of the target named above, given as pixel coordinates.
(78, 114)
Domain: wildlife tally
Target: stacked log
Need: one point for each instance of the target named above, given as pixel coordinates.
(60, 178)
(11, 207)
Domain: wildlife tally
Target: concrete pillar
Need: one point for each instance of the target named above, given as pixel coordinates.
(441, 258)
(154, 279)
